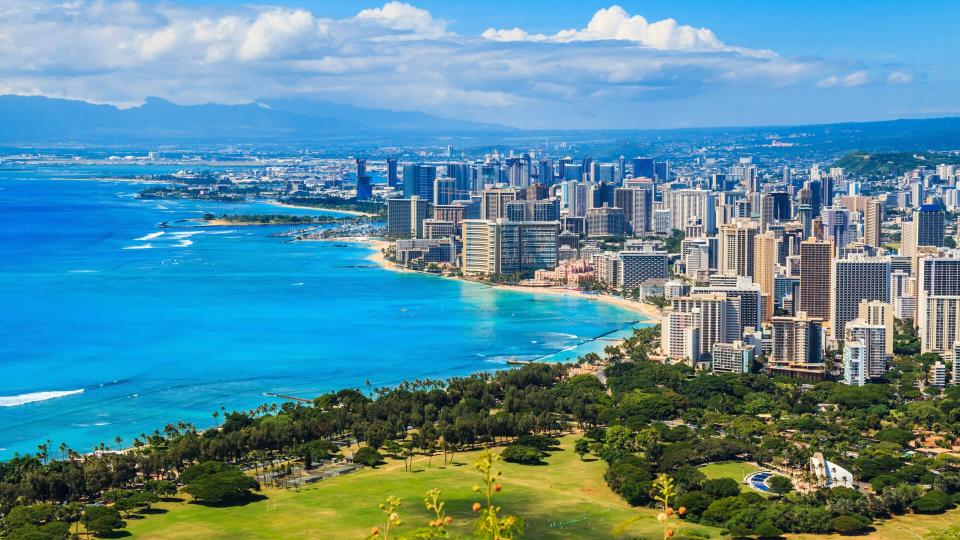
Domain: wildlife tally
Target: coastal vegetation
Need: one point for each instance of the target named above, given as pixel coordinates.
(273, 219)
(623, 439)
(336, 203)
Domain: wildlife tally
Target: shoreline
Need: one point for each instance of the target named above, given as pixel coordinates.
(651, 314)
(320, 208)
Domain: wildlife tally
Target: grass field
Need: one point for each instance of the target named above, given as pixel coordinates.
(907, 527)
(566, 489)
(737, 470)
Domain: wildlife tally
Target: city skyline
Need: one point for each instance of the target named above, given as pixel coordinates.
(602, 65)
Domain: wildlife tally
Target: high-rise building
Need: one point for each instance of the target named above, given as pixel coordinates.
(765, 269)
(418, 180)
(392, 179)
(854, 363)
(605, 221)
(938, 302)
(493, 202)
(636, 267)
(938, 375)
(687, 205)
(715, 315)
(444, 191)
(736, 357)
(751, 301)
(405, 217)
(872, 222)
(661, 171)
(855, 280)
(545, 172)
(879, 313)
(796, 340)
(643, 167)
(737, 247)
(836, 228)
(680, 334)
(637, 205)
(507, 247)
(873, 337)
(929, 220)
(816, 262)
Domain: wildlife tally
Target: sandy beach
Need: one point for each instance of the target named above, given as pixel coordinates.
(650, 312)
(301, 207)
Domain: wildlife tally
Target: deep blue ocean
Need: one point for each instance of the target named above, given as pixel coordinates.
(111, 326)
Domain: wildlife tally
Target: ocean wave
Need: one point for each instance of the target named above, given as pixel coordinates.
(298, 284)
(221, 232)
(150, 236)
(143, 246)
(184, 243)
(184, 234)
(82, 271)
(23, 399)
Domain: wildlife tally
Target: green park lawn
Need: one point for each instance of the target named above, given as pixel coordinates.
(565, 490)
(737, 470)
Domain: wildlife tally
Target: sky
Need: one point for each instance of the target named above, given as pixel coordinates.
(530, 64)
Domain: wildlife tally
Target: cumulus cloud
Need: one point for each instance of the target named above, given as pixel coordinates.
(401, 16)
(614, 23)
(397, 56)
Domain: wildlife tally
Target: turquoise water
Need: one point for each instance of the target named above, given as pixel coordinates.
(134, 329)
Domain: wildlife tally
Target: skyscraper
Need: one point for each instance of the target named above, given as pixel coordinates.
(508, 247)
(737, 247)
(765, 269)
(836, 228)
(872, 222)
(405, 217)
(856, 279)
(418, 180)
(929, 220)
(493, 202)
(938, 302)
(688, 204)
(815, 266)
(643, 167)
(392, 178)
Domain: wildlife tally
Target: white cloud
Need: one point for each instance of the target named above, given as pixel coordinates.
(900, 77)
(614, 23)
(396, 56)
(402, 16)
(276, 32)
(857, 78)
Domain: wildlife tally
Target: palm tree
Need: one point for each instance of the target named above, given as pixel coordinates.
(216, 418)
(119, 442)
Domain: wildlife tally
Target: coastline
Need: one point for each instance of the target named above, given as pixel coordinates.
(650, 313)
(320, 208)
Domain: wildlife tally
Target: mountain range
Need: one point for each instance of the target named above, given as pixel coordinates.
(30, 120)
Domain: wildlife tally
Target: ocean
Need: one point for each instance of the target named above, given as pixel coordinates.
(111, 326)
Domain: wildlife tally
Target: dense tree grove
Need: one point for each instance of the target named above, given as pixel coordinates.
(646, 419)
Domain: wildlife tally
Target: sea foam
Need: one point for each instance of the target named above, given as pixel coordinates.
(143, 246)
(23, 399)
(150, 236)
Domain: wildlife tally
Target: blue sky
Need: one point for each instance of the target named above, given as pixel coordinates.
(538, 64)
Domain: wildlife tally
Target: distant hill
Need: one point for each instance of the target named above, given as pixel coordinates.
(890, 164)
(41, 120)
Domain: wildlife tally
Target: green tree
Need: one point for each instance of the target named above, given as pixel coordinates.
(781, 485)
(102, 520)
(582, 447)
